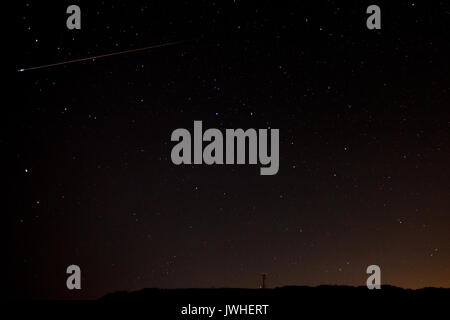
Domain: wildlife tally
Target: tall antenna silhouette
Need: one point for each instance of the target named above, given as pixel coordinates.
(263, 280)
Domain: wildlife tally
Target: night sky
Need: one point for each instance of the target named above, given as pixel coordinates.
(364, 145)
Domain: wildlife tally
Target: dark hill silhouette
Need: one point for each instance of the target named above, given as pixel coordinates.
(290, 302)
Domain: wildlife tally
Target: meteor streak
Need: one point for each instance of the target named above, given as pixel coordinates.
(101, 56)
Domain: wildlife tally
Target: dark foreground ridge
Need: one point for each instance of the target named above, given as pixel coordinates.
(282, 303)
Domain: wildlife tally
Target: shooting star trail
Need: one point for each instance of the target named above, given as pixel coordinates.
(101, 56)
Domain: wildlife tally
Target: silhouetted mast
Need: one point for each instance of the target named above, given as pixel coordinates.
(263, 278)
